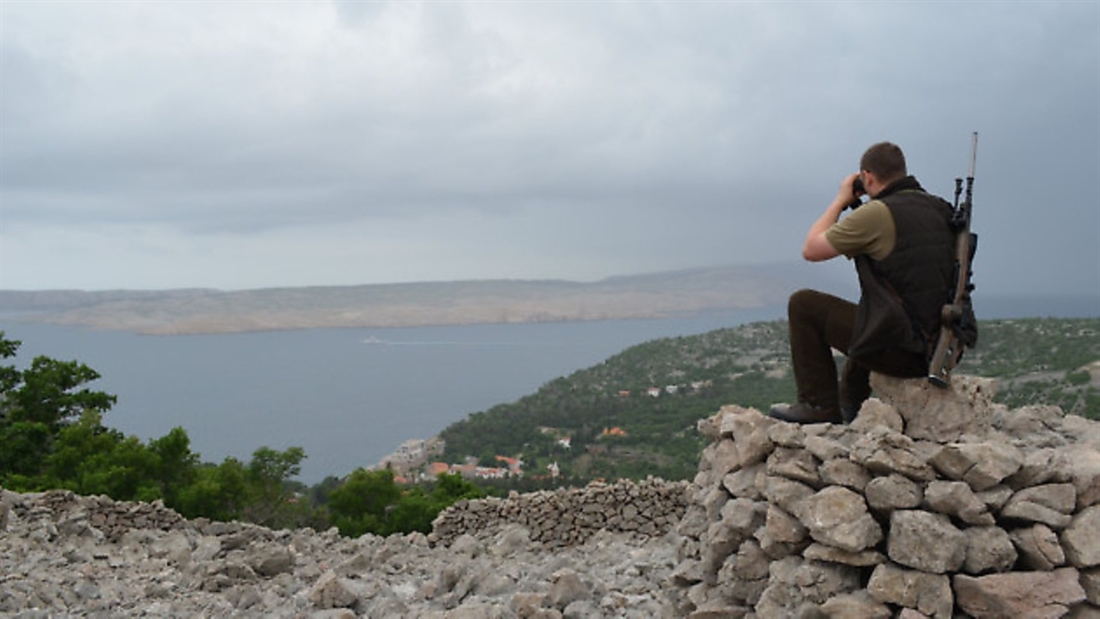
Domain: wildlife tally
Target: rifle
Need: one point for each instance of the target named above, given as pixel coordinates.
(958, 328)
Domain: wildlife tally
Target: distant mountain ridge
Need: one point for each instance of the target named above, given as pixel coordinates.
(185, 311)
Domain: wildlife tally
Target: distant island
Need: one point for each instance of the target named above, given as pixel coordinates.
(194, 311)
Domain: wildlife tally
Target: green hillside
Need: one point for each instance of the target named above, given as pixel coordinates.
(634, 414)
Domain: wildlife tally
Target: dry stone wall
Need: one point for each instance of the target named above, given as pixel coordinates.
(570, 516)
(76, 515)
(930, 504)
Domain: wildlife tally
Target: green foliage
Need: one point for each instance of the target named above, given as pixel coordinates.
(452, 488)
(91, 459)
(414, 511)
(372, 502)
(1092, 406)
(1013, 348)
(1038, 361)
(270, 502)
(49, 393)
(37, 406)
(9, 376)
(218, 492)
(319, 493)
(747, 365)
(359, 505)
(175, 463)
(1078, 378)
(25, 446)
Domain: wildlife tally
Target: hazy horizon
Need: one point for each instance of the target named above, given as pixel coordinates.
(828, 270)
(841, 279)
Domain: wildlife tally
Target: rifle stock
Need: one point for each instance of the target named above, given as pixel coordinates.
(949, 346)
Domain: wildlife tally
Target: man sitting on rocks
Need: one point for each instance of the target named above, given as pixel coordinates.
(903, 248)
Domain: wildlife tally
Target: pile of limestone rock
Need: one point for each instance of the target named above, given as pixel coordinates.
(932, 503)
(57, 562)
(570, 516)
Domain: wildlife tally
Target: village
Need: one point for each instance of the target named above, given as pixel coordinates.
(413, 461)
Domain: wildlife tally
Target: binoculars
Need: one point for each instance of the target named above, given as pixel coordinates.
(859, 190)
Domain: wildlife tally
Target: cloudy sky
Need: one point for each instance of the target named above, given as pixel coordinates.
(236, 145)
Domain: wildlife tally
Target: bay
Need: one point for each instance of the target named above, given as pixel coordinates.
(348, 397)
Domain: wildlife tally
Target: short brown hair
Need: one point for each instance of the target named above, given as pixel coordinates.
(885, 160)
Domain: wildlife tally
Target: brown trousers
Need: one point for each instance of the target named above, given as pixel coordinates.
(820, 322)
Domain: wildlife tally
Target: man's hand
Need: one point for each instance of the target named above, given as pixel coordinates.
(846, 193)
(816, 247)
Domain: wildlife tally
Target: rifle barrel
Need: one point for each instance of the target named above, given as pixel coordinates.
(973, 155)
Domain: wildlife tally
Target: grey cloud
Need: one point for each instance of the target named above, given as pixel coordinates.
(246, 118)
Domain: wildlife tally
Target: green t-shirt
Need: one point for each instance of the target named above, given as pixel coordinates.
(867, 230)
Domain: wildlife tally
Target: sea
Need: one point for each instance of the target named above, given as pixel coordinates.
(350, 397)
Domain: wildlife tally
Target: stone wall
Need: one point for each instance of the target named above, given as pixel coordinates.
(930, 504)
(75, 515)
(570, 516)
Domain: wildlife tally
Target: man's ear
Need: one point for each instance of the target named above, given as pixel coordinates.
(871, 182)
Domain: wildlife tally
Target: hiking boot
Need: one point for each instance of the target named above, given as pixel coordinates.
(853, 390)
(847, 413)
(804, 413)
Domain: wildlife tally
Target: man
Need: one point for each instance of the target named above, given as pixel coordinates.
(903, 247)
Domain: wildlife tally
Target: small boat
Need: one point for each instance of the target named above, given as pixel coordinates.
(373, 340)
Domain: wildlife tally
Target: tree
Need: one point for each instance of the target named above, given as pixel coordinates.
(371, 502)
(74, 447)
(318, 493)
(270, 503)
(217, 492)
(414, 511)
(9, 376)
(176, 463)
(450, 488)
(35, 404)
(49, 393)
(23, 450)
(89, 458)
(359, 506)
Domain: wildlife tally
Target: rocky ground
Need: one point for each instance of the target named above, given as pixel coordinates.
(68, 556)
(932, 503)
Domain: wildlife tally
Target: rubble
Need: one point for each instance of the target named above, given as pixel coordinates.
(57, 561)
(930, 504)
